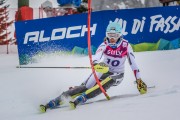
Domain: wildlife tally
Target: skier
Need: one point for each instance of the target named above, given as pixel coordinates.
(109, 62)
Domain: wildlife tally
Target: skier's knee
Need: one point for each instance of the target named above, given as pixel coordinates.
(75, 90)
(106, 84)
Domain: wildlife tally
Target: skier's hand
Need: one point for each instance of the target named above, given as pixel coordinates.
(101, 67)
(141, 86)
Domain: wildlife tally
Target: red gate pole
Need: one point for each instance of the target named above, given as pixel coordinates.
(90, 54)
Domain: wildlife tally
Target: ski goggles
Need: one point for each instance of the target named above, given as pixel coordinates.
(113, 35)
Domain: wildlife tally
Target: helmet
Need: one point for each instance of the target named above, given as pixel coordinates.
(114, 30)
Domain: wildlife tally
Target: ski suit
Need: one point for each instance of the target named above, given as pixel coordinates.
(115, 60)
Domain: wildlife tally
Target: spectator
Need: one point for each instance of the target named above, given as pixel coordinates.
(166, 2)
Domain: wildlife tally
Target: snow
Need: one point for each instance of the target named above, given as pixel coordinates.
(23, 90)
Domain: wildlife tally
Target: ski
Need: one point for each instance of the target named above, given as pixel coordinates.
(73, 106)
(43, 108)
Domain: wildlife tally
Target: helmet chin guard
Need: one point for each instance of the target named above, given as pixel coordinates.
(114, 45)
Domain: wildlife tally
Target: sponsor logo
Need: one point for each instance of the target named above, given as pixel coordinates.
(124, 44)
(114, 52)
(59, 34)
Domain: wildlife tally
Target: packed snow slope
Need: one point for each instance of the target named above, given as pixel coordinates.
(23, 90)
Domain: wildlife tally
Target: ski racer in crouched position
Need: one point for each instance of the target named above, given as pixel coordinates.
(109, 63)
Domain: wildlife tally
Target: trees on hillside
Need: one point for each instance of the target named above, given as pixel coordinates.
(4, 23)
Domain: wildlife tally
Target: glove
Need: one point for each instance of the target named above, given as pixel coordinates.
(101, 67)
(141, 86)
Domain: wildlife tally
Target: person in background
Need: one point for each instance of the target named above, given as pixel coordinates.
(167, 2)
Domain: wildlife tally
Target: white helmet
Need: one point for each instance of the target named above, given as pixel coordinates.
(114, 30)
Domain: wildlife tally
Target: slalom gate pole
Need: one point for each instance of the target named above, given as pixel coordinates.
(90, 54)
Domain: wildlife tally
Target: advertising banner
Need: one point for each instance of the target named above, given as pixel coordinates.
(143, 28)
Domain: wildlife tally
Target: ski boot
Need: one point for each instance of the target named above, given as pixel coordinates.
(72, 105)
(52, 104)
(80, 99)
